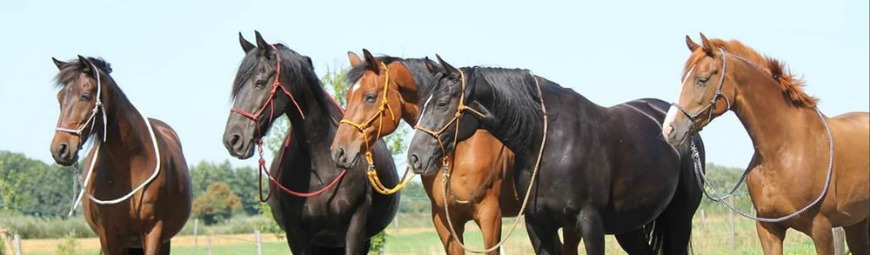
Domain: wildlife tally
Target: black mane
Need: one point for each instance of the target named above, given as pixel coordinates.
(515, 102)
(417, 67)
(297, 74)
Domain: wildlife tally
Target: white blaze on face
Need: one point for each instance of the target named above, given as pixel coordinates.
(423, 113)
(355, 87)
(667, 124)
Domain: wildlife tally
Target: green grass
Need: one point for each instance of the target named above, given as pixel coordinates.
(418, 237)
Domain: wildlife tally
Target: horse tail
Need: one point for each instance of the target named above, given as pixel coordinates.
(656, 234)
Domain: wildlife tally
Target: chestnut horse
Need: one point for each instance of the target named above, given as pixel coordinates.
(341, 212)
(136, 162)
(603, 170)
(479, 190)
(809, 172)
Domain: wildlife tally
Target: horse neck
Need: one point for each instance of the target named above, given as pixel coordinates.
(525, 141)
(127, 135)
(320, 118)
(773, 123)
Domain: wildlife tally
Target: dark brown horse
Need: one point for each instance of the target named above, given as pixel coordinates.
(481, 187)
(809, 171)
(324, 209)
(136, 162)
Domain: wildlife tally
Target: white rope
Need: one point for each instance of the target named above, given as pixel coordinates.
(97, 153)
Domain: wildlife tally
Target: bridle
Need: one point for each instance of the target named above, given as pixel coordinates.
(270, 102)
(709, 108)
(372, 173)
(98, 106)
(458, 114)
(379, 115)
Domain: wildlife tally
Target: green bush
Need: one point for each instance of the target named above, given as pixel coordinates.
(68, 246)
(378, 242)
(32, 227)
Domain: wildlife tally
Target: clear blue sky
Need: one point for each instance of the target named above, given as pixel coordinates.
(176, 59)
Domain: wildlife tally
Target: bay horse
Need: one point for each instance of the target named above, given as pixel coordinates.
(809, 171)
(345, 212)
(603, 170)
(386, 90)
(137, 179)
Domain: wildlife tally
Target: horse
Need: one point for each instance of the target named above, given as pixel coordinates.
(137, 181)
(603, 170)
(386, 88)
(344, 213)
(809, 171)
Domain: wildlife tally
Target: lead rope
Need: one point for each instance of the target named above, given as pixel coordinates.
(528, 190)
(97, 153)
(702, 184)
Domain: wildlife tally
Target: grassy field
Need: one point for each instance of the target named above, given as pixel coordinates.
(416, 236)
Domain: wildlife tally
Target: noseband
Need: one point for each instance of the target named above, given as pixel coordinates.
(709, 108)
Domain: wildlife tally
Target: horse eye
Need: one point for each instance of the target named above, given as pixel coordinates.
(260, 83)
(441, 104)
(370, 98)
(703, 81)
(85, 97)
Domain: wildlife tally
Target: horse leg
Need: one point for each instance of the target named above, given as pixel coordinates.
(823, 236)
(634, 242)
(166, 248)
(356, 231)
(771, 236)
(572, 240)
(858, 237)
(488, 218)
(299, 243)
(545, 239)
(439, 219)
(153, 243)
(592, 230)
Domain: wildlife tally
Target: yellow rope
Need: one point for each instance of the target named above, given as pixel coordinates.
(380, 188)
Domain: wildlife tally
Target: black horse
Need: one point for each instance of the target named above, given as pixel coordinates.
(342, 218)
(604, 170)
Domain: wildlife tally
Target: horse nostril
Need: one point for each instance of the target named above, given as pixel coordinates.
(234, 140)
(341, 156)
(415, 162)
(63, 150)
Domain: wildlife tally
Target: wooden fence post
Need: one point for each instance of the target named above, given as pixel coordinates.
(731, 223)
(259, 242)
(17, 243)
(195, 231)
(208, 242)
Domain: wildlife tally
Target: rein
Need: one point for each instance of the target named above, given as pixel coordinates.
(90, 173)
(262, 169)
(361, 127)
(701, 177)
(462, 107)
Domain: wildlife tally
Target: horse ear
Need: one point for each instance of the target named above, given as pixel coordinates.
(432, 67)
(354, 59)
(447, 67)
(86, 64)
(371, 62)
(310, 63)
(58, 63)
(707, 45)
(262, 45)
(246, 45)
(692, 45)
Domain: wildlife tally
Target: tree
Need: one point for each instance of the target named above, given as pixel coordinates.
(216, 204)
(33, 187)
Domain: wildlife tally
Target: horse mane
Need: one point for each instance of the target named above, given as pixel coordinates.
(790, 85)
(417, 67)
(296, 72)
(512, 89)
(71, 71)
